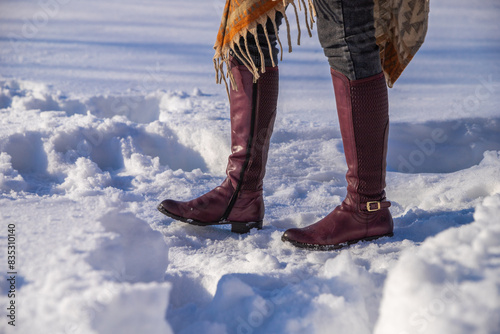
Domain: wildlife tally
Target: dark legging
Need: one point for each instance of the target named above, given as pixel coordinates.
(345, 31)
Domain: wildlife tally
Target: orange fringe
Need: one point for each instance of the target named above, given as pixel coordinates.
(221, 57)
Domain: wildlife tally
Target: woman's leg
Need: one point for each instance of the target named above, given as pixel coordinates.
(238, 200)
(346, 32)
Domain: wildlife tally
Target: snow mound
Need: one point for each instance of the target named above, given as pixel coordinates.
(432, 288)
(85, 177)
(26, 151)
(135, 256)
(19, 94)
(342, 295)
(441, 191)
(167, 125)
(124, 315)
(102, 270)
(133, 259)
(10, 180)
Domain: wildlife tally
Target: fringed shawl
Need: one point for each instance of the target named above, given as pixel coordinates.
(400, 29)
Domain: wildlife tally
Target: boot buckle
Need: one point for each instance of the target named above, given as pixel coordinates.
(369, 206)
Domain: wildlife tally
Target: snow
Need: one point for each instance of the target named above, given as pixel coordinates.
(107, 108)
(450, 283)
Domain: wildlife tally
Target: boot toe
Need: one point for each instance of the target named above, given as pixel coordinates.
(294, 235)
(169, 206)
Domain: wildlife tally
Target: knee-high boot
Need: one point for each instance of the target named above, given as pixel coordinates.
(238, 200)
(362, 107)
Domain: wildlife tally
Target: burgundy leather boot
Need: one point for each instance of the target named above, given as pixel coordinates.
(362, 107)
(238, 200)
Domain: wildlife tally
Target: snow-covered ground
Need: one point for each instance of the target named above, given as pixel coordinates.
(107, 107)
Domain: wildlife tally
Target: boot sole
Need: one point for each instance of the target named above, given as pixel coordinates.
(236, 227)
(332, 247)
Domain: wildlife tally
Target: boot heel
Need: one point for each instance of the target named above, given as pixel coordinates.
(245, 227)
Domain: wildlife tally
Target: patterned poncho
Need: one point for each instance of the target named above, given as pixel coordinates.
(400, 28)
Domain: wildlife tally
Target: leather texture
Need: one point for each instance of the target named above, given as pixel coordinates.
(363, 111)
(239, 197)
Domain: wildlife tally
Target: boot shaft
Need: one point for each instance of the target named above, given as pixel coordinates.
(363, 112)
(253, 111)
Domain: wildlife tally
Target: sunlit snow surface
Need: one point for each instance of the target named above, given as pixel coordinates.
(108, 107)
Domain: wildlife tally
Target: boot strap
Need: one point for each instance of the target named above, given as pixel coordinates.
(374, 205)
